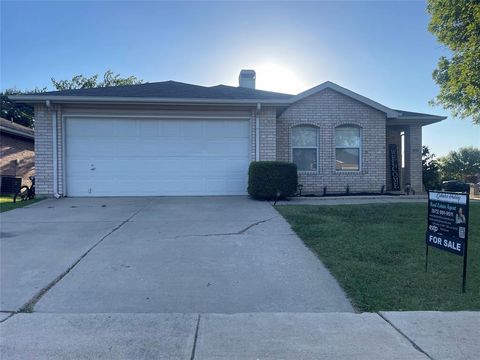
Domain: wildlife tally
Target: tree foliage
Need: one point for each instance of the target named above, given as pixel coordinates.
(20, 113)
(430, 170)
(463, 164)
(84, 82)
(456, 24)
(23, 113)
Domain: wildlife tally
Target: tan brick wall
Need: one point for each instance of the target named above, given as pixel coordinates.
(17, 157)
(413, 157)
(327, 110)
(268, 129)
(44, 150)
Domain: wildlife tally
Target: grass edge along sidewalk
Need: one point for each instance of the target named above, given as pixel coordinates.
(6, 203)
(377, 254)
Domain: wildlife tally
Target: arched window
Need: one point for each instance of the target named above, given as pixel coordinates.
(305, 147)
(348, 147)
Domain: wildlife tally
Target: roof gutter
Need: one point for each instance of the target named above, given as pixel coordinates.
(140, 100)
(257, 132)
(16, 132)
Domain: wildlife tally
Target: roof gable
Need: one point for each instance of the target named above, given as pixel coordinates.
(330, 85)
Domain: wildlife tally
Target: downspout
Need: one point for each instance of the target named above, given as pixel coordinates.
(257, 132)
(54, 150)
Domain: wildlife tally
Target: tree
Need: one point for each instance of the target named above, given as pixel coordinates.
(20, 113)
(456, 24)
(430, 170)
(82, 82)
(23, 113)
(463, 164)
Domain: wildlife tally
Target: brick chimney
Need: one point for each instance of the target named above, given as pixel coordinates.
(247, 78)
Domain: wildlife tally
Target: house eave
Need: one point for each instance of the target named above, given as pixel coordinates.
(16, 132)
(415, 120)
(32, 99)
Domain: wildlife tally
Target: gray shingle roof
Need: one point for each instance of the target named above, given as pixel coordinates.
(174, 89)
(178, 92)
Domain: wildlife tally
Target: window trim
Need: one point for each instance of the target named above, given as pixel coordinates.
(360, 148)
(317, 153)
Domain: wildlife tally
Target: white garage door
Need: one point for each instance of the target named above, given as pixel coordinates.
(136, 157)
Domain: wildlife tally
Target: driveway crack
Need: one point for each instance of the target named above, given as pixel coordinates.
(11, 313)
(194, 347)
(30, 304)
(243, 231)
(415, 346)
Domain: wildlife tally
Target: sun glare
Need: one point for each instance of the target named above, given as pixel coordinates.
(273, 77)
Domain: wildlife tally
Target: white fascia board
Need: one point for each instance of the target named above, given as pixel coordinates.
(139, 100)
(330, 85)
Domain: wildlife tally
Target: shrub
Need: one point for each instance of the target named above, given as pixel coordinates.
(272, 179)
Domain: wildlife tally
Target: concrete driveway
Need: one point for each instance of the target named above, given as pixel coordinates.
(159, 255)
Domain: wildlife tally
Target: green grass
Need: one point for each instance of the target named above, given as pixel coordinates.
(377, 253)
(6, 203)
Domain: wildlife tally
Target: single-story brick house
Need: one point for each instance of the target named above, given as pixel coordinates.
(172, 138)
(17, 156)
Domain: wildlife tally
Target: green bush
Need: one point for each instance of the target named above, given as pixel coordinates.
(272, 179)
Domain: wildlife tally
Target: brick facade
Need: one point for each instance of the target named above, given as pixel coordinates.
(44, 150)
(268, 144)
(326, 110)
(413, 157)
(17, 157)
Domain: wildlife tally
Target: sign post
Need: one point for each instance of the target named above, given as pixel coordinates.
(447, 227)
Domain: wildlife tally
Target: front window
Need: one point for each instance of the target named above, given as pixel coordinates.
(305, 147)
(347, 148)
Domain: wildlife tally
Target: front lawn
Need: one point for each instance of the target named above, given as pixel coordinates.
(377, 253)
(6, 203)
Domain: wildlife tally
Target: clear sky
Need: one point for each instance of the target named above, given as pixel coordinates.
(381, 50)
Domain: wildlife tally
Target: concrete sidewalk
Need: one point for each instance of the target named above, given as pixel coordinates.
(389, 335)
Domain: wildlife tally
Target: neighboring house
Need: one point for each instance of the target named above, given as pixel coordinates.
(171, 138)
(17, 156)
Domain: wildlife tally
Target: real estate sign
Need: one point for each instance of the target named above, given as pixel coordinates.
(447, 226)
(447, 221)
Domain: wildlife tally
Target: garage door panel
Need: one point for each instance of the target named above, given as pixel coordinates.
(236, 186)
(128, 148)
(226, 148)
(170, 129)
(91, 128)
(147, 128)
(78, 168)
(192, 129)
(78, 147)
(156, 157)
(125, 128)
